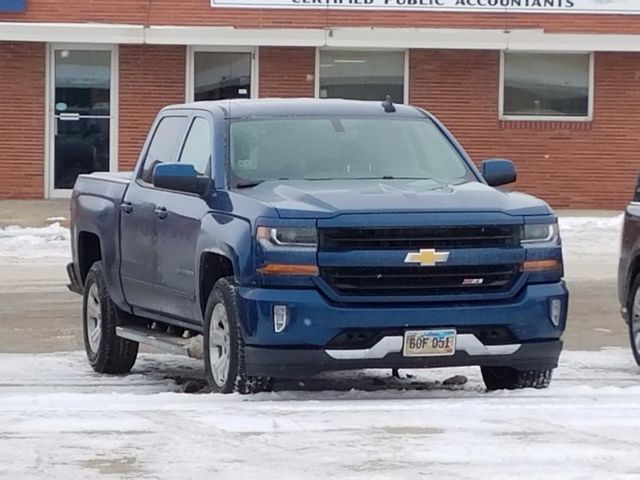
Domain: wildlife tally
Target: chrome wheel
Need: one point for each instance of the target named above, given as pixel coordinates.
(93, 318)
(635, 322)
(219, 344)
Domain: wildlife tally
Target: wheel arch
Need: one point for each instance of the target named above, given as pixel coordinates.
(89, 252)
(214, 265)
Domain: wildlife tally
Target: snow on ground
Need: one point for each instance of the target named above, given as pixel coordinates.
(58, 419)
(49, 244)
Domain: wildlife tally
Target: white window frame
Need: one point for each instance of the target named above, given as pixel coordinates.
(189, 92)
(547, 118)
(49, 138)
(316, 74)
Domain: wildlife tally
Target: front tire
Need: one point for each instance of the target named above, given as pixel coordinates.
(224, 353)
(506, 378)
(633, 307)
(106, 352)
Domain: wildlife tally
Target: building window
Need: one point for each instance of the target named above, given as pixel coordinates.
(547, 85)
(361, 75)
(221, 75)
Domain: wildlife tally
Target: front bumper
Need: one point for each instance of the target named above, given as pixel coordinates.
(305, 346)
(315, 321)
(301, 363)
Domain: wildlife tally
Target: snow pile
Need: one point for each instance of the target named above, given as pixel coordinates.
(596, 239)
(591, 245)
(591, 234)
(48, 244)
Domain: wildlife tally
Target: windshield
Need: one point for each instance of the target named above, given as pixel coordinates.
(319, 148)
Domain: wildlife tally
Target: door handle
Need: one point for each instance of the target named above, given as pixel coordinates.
(126, 207)
(161, 212)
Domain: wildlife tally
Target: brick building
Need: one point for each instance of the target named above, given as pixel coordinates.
(552, 84)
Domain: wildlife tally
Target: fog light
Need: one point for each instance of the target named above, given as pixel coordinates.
(556, 311)
(280, 318)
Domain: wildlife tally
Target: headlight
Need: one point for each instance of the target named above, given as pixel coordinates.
(543, 233)
(289, 236)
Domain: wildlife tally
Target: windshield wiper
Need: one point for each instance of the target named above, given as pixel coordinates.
(249, 184)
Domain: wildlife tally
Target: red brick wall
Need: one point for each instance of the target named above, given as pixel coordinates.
(579, 165)
(199, 12)
(569, 164)
(286, 72)
(22, 119)
(151, 77)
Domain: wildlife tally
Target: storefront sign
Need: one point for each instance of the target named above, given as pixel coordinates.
(624, 7)
(13, 6)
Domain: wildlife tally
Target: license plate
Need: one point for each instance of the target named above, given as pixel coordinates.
(429, 343)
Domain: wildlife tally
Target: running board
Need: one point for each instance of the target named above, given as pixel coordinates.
(190, 347)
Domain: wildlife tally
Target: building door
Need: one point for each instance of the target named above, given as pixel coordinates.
(82, 115)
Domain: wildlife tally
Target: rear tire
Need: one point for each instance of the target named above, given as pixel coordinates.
(633, 307)
(506, 378)
(224, 352)
(106, 352)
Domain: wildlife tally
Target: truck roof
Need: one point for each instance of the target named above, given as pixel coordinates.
(239, 108)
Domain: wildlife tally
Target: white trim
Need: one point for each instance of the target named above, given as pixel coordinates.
(316, 75)
(48, 121)
(405, 72)
(338, 37)
(190, 65)
(234, 37)
(548, 118)
(406, 100)
(71, 32)
(50, 190)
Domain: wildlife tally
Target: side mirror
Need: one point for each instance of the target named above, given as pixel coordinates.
(498, 172)
(182, 177)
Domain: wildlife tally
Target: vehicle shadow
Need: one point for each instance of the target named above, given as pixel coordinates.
(188, 377)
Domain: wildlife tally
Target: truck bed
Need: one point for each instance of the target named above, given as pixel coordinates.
(96, 205)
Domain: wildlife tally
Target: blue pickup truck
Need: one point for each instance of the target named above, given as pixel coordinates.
(282, 238)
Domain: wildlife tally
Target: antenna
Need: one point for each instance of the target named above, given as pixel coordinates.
(388, 105)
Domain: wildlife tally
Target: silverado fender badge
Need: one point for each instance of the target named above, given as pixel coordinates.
(427, 257)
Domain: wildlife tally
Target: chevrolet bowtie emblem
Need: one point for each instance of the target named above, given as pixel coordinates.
(426, 257)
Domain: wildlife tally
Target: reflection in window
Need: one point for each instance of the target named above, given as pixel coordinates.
(83, 81)
(197, 146)
(81, 146)
(362, 75)
(542, 84)
(163, 144)
(222, 75)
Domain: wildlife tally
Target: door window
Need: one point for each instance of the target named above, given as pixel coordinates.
(82, 114)
(197, 147)
(163, 144)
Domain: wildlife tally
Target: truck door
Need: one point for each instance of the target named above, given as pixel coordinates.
(139, 216)
(178, 233)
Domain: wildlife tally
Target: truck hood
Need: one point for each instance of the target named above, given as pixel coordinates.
(324, 199)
